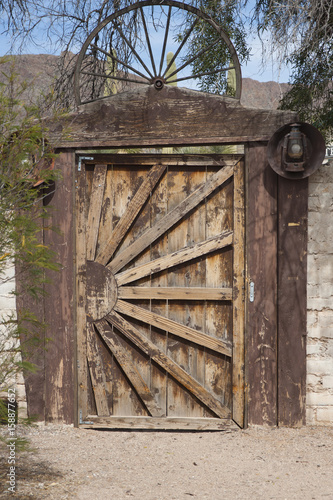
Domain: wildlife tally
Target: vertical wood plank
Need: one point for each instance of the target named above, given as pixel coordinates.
(134, 207)
(292, 282)
(94, 215)
(59, 357)
(196, 276)
(34, 382)
(97, 374)
(127, 182)
(219, 217)
(182, 182)
(80, 269)
(106, 222)
(179, 401)
(159, 207)
(120, 191)
(136, 229)
(261, 236)
(238, 296)
(142, 390)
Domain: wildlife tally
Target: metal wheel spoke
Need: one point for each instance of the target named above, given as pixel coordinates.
(141, 60)
(132, 49)
(189, 61)
(181, 46)
(120, 62)
(165, 39)
(148, 41)
(112, 77)
(199, 75)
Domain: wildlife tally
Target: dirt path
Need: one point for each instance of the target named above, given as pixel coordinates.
(255, 464)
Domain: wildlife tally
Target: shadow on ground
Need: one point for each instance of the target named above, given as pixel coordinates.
(33, 479)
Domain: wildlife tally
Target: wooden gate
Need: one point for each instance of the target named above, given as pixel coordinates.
(160, 290)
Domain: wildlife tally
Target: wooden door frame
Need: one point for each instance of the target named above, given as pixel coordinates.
(275, 208)
(276, 235)
(276, 215)
(238, 357)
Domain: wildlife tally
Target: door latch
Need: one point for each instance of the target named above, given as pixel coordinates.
(251, 291)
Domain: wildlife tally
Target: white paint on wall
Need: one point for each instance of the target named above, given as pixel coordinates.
(8, 310)
(320, 298)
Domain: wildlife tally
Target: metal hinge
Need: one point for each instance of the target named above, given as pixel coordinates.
(86, 422)
(83, 158)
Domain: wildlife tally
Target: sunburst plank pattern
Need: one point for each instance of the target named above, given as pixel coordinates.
(170, 326)
(131, 372)
(170, 219)
(168, 364)
(155, 324)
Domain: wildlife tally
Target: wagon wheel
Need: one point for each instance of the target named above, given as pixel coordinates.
(129, 48)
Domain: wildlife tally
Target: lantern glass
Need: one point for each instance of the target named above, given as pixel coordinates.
(295, 148)
(295, 144)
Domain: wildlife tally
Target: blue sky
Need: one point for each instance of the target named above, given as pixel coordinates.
(254, 68)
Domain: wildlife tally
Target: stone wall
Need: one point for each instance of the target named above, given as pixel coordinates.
(320, 297)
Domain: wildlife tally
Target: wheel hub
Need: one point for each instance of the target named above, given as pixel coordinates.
(158, 82)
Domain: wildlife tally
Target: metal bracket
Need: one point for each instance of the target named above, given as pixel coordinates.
(86, 422)
(251, 291)
(83, 158)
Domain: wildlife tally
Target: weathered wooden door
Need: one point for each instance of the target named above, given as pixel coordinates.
(160, 290)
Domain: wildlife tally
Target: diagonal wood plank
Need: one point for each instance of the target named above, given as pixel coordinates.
(171, 326)
(134, 207)
(175, 258)
(112, 341)
(174, 293)
(168, 364)
(95, 207)
(96, 373)
(170, 219)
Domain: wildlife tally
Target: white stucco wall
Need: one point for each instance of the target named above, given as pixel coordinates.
(320, 298)
(7, 309)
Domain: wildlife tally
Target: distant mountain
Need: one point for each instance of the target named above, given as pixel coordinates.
(264, 95)
(37, 70)
(40, 72)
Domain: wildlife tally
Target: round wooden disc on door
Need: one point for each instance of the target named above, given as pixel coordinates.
(101, 291)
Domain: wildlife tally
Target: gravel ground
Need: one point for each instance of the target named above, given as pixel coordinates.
(257, 463)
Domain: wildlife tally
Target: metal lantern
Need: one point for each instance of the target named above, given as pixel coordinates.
(296, 150)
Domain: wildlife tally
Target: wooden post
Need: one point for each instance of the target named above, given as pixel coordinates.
(34, 382)
(238, 297)
(261, 237)
(59, 356)
(292, 282)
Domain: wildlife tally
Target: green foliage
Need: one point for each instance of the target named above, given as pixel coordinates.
(218, 56)
(26, 162)
(301, 30)
(206, 150)
(302, 33)
(312, 90)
